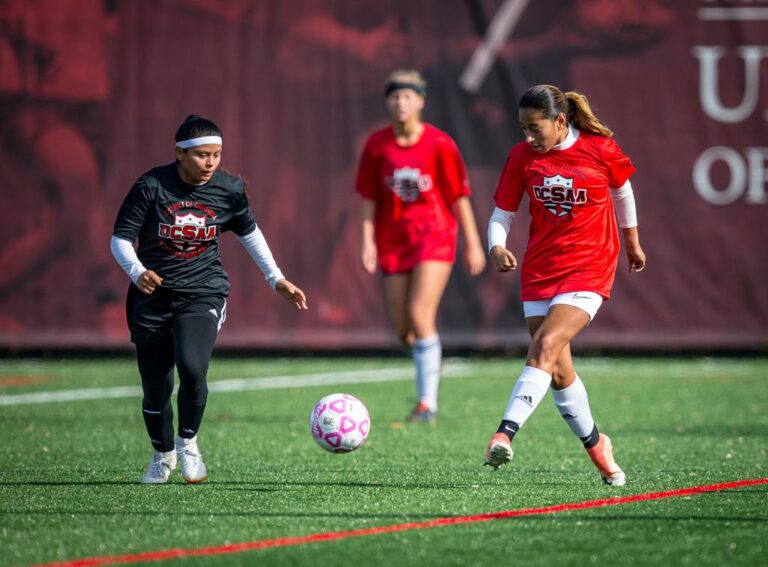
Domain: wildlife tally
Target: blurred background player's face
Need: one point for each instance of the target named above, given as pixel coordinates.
(541, 132)
(405, 105)
(197, 165)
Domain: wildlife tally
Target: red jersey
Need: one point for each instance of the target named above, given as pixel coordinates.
(573, 242)
(413, 188)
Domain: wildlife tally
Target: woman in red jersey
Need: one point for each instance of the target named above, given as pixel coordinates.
(573, 173)
(415, 196)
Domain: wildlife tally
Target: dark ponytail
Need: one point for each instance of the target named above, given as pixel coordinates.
(581, 115)
(551, 102)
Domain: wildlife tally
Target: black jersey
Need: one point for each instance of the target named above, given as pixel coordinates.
(178, 225)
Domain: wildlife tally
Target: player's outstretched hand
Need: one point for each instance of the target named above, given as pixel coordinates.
(148, 282)
(474, 259)
(292, 294)
(503, 259)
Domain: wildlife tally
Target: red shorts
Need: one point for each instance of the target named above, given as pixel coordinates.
(403, 258)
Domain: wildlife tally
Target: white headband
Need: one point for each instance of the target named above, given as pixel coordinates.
(191, 143)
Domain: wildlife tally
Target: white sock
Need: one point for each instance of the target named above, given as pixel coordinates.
(528, 392)
(427, 357)
(573, 404)
(182, 442)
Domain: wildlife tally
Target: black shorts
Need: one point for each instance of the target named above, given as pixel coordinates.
(151, 317)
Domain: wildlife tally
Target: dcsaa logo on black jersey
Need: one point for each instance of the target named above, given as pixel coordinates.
(408, 182)
(558, 196)
(189, 235)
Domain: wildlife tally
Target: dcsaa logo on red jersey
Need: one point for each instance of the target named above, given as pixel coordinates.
(408, 182)
(558, 196)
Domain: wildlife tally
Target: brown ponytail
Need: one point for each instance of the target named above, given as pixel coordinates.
(581, 115)
(551, 102)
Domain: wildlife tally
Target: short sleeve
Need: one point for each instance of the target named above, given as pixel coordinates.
(619, 166)
(511, 186)
(453, 181)
(242, 221)
(133, 211)
(366, 181)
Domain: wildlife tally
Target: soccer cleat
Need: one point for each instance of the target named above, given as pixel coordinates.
(160, 468)
(602, 455)
(499, 451)
(421, 414)
(193, 468)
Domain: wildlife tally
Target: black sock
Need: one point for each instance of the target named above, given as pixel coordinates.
(509, 428)
(591, 439)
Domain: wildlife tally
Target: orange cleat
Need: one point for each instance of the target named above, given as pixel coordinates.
(602, 455)
(499, 451)
(421, 414)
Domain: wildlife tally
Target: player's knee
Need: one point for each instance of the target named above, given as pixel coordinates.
(545, 348)
(422, 320)
(192, 372)
(158, 397)
(196, 392)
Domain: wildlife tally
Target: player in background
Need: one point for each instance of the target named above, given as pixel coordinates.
(177, 299)
(415, 194)
(573, 173)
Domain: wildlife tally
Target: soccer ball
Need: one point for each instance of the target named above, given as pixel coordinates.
(339, 423)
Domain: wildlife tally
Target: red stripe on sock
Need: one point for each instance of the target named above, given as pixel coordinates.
(331, 536)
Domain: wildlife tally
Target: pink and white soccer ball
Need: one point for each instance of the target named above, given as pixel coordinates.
(339, 423)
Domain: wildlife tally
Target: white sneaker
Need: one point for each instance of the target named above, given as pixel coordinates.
(192, 466)
(160, 468)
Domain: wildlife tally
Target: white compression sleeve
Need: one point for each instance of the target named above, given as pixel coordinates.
(498, 227)
(126, 257)
(258, 249)
(624, 202)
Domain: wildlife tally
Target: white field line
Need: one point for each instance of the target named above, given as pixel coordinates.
(733, 14)
(364, 376)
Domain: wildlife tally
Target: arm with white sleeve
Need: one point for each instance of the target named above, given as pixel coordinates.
(624, 203)
(258, 249)
(125, 255)
(626, 215)
(498, 229)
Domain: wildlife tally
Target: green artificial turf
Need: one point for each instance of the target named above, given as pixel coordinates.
(69, 470)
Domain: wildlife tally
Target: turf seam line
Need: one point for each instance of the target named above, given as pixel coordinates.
(167, 554)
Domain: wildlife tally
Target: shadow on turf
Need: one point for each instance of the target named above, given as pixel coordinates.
(255, 486)
(344, 484)
(660, 517)
(720, 432)
(73, 483)
(246, 513)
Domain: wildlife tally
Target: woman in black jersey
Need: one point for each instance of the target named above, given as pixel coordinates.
(177, 301)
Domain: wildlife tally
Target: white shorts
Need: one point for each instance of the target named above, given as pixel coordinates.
(588, 301)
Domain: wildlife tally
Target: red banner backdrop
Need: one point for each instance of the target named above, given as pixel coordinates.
(91, 93)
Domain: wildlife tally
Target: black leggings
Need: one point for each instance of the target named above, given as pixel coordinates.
(188, 349)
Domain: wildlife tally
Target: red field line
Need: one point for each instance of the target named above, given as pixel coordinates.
(331, 536)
